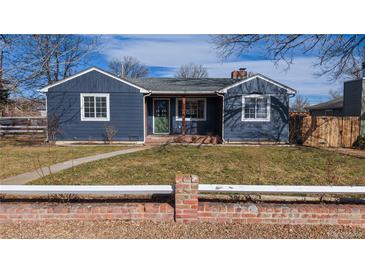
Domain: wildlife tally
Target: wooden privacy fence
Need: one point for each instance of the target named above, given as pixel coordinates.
(324, 131)
(31, 129)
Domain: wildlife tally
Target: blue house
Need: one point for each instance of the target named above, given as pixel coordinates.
(238, 109)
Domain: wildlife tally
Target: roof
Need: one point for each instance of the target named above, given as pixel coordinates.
(45, 89)
(177, 85)
(184, 84)
(202, 85)
(332, 104)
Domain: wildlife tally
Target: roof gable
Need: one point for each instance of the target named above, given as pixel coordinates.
(46, 88)
(288, 89)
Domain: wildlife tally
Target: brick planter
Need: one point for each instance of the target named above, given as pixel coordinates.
(187, 209)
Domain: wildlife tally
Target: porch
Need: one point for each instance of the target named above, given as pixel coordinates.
(183, 119)
(186, 139)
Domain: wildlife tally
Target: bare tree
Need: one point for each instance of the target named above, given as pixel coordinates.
(335, 94)
(299, 104)
(128, 66)
(192, 71)
(109, 132)
(53, 128)
(337, 55)
(4, 84)
(32, 61)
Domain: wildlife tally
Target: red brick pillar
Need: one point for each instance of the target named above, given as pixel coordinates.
(186, 198)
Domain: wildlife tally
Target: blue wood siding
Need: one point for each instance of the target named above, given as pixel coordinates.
(126, 108)
(212, 124)
(277, 129)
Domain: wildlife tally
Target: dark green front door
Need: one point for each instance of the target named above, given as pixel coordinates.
(161, 116)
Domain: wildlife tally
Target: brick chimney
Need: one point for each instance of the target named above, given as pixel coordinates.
(239, 74)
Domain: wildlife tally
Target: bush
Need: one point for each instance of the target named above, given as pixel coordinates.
(360, 142)
(109, 133)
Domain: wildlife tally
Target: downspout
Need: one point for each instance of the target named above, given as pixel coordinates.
(144, 115)
(220, 94)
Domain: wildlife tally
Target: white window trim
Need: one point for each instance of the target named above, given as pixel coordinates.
(256, 119)
(97, 119)
(191, 99)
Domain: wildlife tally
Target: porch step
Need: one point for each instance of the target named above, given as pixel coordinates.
(188, 139)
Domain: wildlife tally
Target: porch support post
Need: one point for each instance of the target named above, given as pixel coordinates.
(183, 120)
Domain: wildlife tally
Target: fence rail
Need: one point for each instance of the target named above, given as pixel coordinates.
(169, 189)
(23, 128)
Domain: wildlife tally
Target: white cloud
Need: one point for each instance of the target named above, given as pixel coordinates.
(174, 50)
(161, 50)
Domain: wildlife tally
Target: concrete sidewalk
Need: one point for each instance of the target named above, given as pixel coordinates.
(27, 177)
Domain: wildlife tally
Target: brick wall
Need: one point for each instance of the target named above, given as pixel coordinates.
(329, 214)
(32, 211)
(188, 209)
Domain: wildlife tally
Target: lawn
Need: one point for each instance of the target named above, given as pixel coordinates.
(16, 158)
(229, 165)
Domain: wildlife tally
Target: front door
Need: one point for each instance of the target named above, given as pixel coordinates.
(161, 116)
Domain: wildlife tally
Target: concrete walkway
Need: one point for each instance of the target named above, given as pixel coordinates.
(27, 177)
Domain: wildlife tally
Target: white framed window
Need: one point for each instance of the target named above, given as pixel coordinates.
(196, 109)
(256, 108)
(95, 107)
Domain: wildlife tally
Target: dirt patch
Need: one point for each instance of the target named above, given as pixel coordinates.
(171, 230)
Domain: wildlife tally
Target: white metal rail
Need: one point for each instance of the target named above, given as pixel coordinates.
(168, 189)
(281, 189)
(85, 190)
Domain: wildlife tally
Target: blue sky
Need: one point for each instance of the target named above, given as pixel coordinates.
(163, 54)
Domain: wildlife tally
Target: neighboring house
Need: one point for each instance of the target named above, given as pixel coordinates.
(351, 104)
(332, 107)
(249, 109)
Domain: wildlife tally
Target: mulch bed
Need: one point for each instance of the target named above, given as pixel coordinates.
(171, 230)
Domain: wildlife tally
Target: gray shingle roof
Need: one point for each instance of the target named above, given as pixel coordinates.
(180, 84)
(332, 104)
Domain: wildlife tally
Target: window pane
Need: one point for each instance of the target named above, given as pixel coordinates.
(256, 108)
(101, 107)
(194, 108)
(179, 108)
(261, 108)
(200, 114)
(89, 104)
(250, 108)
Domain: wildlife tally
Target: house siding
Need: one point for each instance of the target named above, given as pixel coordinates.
(126, 109)
(352, 98)
(276, 130)
(210, 126)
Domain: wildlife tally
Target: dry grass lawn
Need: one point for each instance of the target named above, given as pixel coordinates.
(230, 165)
(17, 158)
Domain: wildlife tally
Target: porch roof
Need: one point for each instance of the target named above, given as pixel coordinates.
(181, 85)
